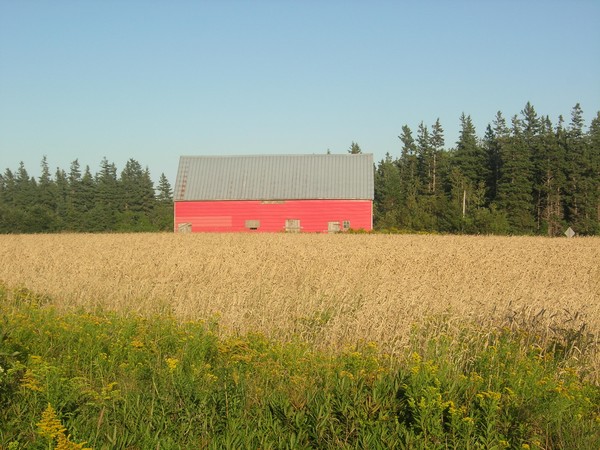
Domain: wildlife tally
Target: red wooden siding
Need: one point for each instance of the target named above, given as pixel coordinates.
(231, 215)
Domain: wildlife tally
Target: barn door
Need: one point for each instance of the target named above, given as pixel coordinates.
(292, 225)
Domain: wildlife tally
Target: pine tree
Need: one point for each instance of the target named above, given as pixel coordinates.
(74, 210)
(409, 181)
(549, 180)
(46, 199)
(88, 188)
(62, 192)
(131, 187)
(162, 215)
(147, 191)
(594, 146)
(387, 202)
(469, 157)
(469, 170)
(408, 164)
(165, 193)
(534, 146)
(45, 185)
(494, 139)
(104, 214)
(437, 147)
(354, 149)
(424, 159)
(8, 188)
(582, 179)
(9, 223)
(137, 197)
(515, 183)
(25, 188)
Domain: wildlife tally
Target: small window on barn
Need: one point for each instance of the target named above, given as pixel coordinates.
(333, 227)
(292, 225)
(253, 224)
(346, 225)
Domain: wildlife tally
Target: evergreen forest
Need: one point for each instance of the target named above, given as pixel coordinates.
(526, 175)
(78, 201)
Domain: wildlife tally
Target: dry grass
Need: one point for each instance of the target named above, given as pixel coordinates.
(330, 289)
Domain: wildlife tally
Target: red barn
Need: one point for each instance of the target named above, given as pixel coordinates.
(310, 193)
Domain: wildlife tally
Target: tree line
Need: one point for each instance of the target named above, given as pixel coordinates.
(525, 176)
(79, 201)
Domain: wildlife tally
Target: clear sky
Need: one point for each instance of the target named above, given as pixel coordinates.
(156, 79)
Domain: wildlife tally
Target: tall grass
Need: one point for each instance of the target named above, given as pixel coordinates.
(114, 381)
(330, 289)
(299, 341)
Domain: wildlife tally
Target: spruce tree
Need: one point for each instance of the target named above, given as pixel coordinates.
(74, 210)
(8, 188)
(46, 199)
(165, 193)
(62, 192)
(469, 157)
(409, 181)
(25, 188)
(387, 202)
(469, 170)
(436, 144)
(594, 151)
(104, 214)
(515, 182)
(354, 149)
(162, 216)
(424, 159)
(582, 176)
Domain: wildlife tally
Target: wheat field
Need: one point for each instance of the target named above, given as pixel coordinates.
(333, 290)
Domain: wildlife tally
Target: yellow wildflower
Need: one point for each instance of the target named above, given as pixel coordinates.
(476, 378)
(345, 374)
(50, 427)
(31, 382)
(136, 343)
(172, 363)
(211, 377)
(65, 444)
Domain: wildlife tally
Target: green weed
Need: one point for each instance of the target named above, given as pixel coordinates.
(117, 381)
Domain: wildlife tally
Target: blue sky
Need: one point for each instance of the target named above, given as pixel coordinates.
(153, 80)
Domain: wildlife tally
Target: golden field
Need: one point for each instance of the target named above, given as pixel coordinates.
(332, 290)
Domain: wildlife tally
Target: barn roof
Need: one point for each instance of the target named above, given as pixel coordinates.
(275, 177)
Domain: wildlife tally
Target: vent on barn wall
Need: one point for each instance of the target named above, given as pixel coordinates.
(184, 227)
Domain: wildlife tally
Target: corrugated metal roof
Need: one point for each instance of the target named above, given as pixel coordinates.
(275, 177)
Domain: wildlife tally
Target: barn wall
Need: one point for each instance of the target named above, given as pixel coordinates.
(314, 215)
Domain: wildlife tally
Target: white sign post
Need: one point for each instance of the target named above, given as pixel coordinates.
(569, 233)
